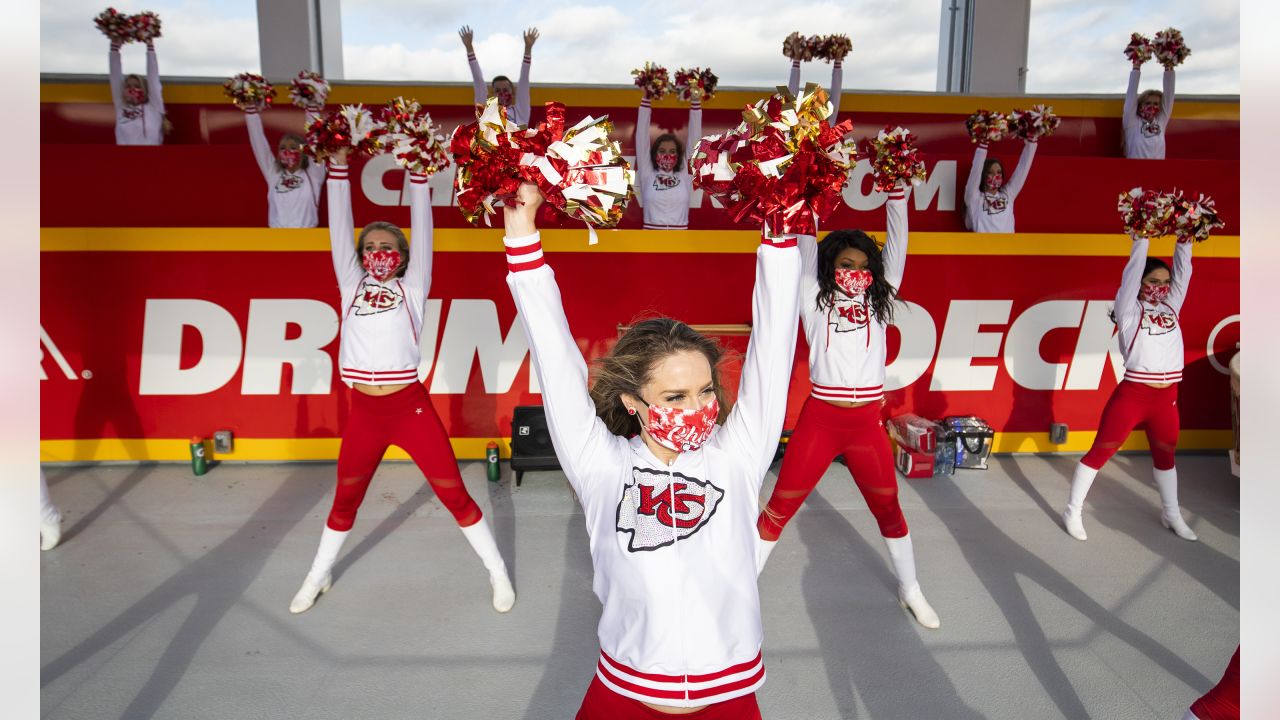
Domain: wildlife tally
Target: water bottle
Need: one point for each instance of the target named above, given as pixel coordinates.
(199, 463)
(491, 461)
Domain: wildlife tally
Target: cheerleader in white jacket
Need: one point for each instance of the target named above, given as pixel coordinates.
(663, 183)
(293, 180)
(515, 98)
(140, 117)
(668, 478)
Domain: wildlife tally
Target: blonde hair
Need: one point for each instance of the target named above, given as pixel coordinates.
(1146, 94)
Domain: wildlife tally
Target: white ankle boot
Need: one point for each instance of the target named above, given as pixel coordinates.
(1073, 516)
(1171, 517)
(481, 539)
(903, 558)
(764, 548)
(50, 518)
(319, 579)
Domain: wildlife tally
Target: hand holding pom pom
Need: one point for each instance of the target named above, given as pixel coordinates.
(986, 127)
(488, 155)
(833, 48)
(249, 92)
(797, 47)
(1170, 50)
(117, 26)
(411, 136)
(308, 91)
(1031, 125)
(690, 79)
(1138, 50)
(894, 158)
(351, 127)
(1146, 213)
(653, 79)
(145, 27)
(1193, 220)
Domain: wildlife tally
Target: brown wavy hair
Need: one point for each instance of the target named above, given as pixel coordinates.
(402, 242)
(629, 367)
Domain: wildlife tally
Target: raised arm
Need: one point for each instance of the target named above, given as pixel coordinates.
(694, 135)
(418, 273)
(643, 166)
(258, 143)
(580, 438)
(1019, 177)
(837, 87)
(477, 77)
(1181, 275)
(793, 82)
(974, 183)
(754, 425)
(115, 76)
(342, 228)
(1166, 100)
(522, 87)
(1127, 305)
(808, 245)
(895, 244)
(1129, 113)
(155, 93)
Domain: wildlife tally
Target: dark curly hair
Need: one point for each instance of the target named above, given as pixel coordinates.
(880, 296)
(629, 367)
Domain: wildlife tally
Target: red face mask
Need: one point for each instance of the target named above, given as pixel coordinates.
(1154, 294)
(666, 162)
(682, 430)
(853, 282)
(135, 95)
(995, 182)
(381, 264)
(504, 97)
(290, 158)
(1148, 112)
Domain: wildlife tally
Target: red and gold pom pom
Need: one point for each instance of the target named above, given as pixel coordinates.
(1169, 49)
(580, 171)
(412, 138)
(249, 91)
(1138, 50)
(985, 126)
(1194, 220)
(487, 153)
(1038, 122)
(785, 166)
(1146, 213)
(689, 79)
(309, 90)
(653, 79)
(833, 48)
(145, 26)
(350, 126)
(894, 158)
(798, 47)
(117, 26)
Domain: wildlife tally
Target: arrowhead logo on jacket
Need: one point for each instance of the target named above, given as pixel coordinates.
(1159, 322)
(372, 298)
(658, 508)
(848, 316)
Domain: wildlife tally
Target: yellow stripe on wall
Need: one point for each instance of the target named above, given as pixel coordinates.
(300, 449)
(611, 241)
(629, 97)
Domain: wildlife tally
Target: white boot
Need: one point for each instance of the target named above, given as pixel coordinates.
(1072, 517)
(320, 577)
(903, 558)
(50, 518)
(1167, 481)
(481, 539)
(764, 548)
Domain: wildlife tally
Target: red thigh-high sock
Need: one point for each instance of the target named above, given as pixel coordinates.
(364, 442)
(1121, 415)
(1223, 701)
(1162, 427)
(870, 463)
(420, 434)
(601, 703)
(812, 447)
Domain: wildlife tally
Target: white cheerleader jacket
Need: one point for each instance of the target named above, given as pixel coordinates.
(665, 197)
(1144, 139)
(1150, 335)
(293, 197)
(673, 546)
(991, 211)
(381, 321)
(137, 124)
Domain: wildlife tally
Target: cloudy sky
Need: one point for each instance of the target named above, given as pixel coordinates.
(1075, 44)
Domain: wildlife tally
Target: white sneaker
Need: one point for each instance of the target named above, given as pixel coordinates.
(308, 593)
(914, 601)
(50, 534)
(1074, 523)
(1174, 522)
(504, 595)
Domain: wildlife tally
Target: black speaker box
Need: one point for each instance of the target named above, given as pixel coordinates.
(531, 442)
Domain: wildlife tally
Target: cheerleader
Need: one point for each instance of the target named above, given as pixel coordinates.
(383, 297)
(293, 181)
(50, 518)
(1146, 313)
(668, 478)
(837, 83)
(988, 199)
(140, 117)
(848, 288)
(664, 183)
(1146, 116)
(514, 99)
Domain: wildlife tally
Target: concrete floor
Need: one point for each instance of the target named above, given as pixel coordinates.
(169, 599)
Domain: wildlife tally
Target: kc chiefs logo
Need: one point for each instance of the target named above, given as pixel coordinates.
(658, 508)
(665, 181)
(373, 298)
(1159, 322)
(995, 203)
(1150, 128)
(289, 181)
(131, 112)
(848, 317)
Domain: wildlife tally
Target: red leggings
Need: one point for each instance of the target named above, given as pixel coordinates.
(405, 419)
(822, 432)
(1130, 405)
(601, 703)
(1223, 701)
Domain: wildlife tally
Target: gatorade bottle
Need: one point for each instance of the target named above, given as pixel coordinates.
(199, 464)
(491, 461)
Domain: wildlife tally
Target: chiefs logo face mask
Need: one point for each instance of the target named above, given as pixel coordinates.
(381, 264)
(853, 282)
(135, 95)
(995, 182)
(1154, 294)
(290, 158)
(1148, 112)
(666, 162)
(682, 430)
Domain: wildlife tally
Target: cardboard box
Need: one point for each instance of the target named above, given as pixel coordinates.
(912, 463)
